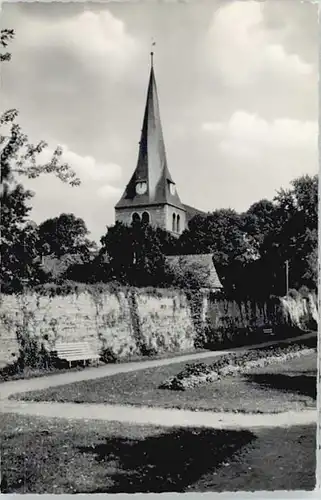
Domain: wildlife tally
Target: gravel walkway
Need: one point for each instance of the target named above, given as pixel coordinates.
(160, 416)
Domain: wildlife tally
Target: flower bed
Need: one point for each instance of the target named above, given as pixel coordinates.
(231, 364)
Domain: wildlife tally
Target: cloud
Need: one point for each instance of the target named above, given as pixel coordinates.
(108, 191)
(260, 156)
(97, 39)
(212, 127)
(86, 167)
(242, 50)
(246, 132)
(93, 200)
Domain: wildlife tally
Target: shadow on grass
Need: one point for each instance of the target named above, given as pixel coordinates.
(304, 385)
(168, 462)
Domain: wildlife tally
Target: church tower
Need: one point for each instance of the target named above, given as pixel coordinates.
(150, 195)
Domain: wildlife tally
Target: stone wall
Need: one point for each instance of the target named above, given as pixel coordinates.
(237, 323)
(128, 322)
(135, 322)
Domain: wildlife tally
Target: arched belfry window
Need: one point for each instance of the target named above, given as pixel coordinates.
(135, 217)
(145, 218)
(178, 223)
(174, 223)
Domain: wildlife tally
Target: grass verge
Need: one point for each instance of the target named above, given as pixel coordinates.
(278, 387)
(61, 456)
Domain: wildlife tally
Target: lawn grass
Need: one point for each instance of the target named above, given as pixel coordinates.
(62, 456)
(278, 387)
(278, 459)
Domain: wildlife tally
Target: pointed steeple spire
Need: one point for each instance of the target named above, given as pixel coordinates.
(151, 59)
(151, 167)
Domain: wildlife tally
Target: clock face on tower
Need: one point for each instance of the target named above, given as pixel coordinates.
(172, 188)
(141, 187)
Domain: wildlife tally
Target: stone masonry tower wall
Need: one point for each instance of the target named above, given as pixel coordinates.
(166, 217)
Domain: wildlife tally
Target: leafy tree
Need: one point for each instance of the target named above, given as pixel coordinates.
(222, 234)
(149, 258)
(259, 220)
(19, 259)
(6, 36)
(65, 234)
(305, 195)
(18, 157)
(293, 238)
(136, 253)
(117, 249)
(310, 275)
(91, 271)
(169, 243)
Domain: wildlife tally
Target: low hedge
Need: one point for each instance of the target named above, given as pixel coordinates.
(197, 373)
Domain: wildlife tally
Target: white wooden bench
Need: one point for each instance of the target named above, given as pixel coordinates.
(76, 351)
(268, 331)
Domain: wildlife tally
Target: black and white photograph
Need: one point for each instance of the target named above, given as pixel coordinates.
(159, 246)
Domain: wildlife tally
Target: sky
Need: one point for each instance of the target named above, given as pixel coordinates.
(237, 84)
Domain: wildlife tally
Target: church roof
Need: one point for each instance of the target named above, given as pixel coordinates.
(193, 271)
(152, 163)
(192, 211)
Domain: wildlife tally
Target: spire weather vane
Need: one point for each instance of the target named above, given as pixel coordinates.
(152, 52)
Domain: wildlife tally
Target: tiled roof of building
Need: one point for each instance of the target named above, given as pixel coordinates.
(192, 211)
(198, 270)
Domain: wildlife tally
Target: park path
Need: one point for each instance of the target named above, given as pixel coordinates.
(144, 415)
(165, 417)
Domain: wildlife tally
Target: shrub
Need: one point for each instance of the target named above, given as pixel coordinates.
(188, 376)
(107, 355)
(293, 294)
(148, 350)
(304, 292)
